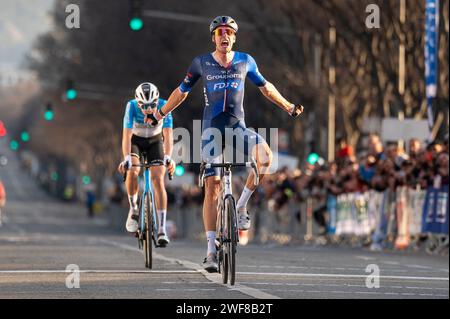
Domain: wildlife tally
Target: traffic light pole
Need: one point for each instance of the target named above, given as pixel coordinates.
(331, 96)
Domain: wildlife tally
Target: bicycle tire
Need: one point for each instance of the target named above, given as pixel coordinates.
(223, 253)
(139, 233)
(148, 233)
(232, 237)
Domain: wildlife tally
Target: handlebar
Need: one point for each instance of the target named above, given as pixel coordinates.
(205, 166)
(146, 165)
(296, 108)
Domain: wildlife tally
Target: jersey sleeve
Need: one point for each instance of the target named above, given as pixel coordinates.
(193, 74)
(128, 117)
(168, 119)
(253, 72)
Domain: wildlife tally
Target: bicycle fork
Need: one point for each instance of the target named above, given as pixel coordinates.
(227, 192)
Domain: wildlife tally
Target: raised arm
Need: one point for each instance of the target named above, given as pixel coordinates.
(272, 94)
(175, 99)
(180, 93)
(269, 90)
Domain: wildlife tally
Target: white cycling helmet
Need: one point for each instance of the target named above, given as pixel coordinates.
(223, 21)
(146, 93)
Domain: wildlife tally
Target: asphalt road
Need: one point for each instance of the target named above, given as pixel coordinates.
(41, 237)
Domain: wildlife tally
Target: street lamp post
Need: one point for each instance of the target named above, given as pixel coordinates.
(331, 96)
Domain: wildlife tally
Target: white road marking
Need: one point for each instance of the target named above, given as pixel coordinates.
(365, 258)
(304, 284)
(362, 269)
(425, 288)
(211, 277)
(339, 276)
(185, 289)
(354, 292)
(418, 266)
(336, 285)
(99, 271)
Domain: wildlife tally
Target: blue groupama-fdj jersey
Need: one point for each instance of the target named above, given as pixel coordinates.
(134, 119)
(223, 90)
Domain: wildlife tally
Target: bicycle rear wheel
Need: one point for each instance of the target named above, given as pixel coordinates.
(148, 233)
(230, 208)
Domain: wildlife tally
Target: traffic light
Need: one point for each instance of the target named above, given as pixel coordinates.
(71, 92)
(54, 176)
(25, 136)
(14, 145)
(49, 115)
(136, 22)
(3, 131)
(179, 170)
(312, 158)
(86, 179)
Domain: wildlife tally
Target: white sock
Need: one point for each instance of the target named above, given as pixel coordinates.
(211, 237)
(133, 201)
(243, 200)
(162, 220)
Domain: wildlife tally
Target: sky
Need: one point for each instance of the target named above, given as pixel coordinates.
(21, 21)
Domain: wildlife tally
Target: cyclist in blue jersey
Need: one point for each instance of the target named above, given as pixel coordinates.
(157, 143)
(223, 73)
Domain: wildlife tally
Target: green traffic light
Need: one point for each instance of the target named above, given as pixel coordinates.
(179, 170)
(313, 158)
(48, 115)
(25, 136)
(14, 145)
(136, 24)
(71, 94)
(86, 180)
(54, 176)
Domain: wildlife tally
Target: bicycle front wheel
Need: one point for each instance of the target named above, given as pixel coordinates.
(148, 233)
(231, 221)
(223, 250)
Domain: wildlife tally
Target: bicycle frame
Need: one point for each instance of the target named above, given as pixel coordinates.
(147, 188)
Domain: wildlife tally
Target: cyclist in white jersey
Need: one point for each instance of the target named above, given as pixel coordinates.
(157, 143)
(223, 73)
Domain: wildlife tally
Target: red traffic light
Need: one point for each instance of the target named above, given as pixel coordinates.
(3, 131)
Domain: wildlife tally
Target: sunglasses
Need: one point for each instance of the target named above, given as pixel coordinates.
(222, 31)
(148, 105)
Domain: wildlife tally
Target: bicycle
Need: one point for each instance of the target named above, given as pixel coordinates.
(147, 211)
(226, 224)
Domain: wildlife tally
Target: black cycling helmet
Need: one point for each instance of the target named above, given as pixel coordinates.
(223, 21)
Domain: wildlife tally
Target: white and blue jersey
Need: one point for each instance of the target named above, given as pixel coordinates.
(134, 119)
